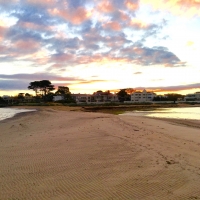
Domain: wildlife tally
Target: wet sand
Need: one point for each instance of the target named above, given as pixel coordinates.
(55, 154)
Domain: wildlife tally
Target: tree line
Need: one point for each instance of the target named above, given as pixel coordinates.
(43, 91)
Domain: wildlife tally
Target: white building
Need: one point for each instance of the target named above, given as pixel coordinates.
(143, 96)
(197, 96)
(82, 98)
(192, 97)
(100, 96)
(97, 97)
(58, 98)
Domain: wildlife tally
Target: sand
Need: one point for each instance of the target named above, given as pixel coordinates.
(54, 154)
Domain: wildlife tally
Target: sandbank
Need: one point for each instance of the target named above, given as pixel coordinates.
(63, 154)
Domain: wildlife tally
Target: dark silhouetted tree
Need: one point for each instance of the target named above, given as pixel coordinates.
(43, 86)
(123, 95)
(35, 86)
(173, 96)
(46, 87)
(64, 91)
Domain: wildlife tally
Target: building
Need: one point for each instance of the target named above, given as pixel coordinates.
(58, 98)
(192, 97)
(197, 96)
(143, 96)
(96, 97)
(82, 98)
(100, 96)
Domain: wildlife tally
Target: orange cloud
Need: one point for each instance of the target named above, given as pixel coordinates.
(138, 24)
(74, 16)
(105, 6)
(113, 25)
(188, 8)
(98, 58)
(130, 5)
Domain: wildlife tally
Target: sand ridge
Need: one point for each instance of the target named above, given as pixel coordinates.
(52, 154)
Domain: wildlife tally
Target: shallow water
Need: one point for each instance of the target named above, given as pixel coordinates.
(178, 113)
(11, 112)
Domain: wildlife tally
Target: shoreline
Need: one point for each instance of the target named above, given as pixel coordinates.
(56, 154)
(184, 122)
(20, 114)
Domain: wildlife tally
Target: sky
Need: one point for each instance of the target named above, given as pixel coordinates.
(91, 45)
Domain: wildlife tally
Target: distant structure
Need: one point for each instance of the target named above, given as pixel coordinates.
(143, 96)
(95, 98)
(192, 97)
(58, 98)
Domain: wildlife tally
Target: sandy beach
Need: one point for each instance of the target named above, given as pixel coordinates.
(63, 154)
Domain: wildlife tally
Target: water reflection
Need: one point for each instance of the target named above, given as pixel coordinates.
(181, 113)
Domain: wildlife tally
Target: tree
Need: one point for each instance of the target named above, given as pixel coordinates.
(46, 87)
(43, 86)
(123, 95)
(173, 96)
(20, 96)
(2, 101)
(35, 86)
(64, 91)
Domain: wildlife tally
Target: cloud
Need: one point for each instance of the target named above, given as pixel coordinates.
(151, 56)
(187, 8)
(2, 32)
(68, 33)
(189, 43)
(28, 45)
(115, 26)
(37, 77)
(42, 2)
(75, 16)
(174, 88)
(105, 6)
(137, 73)
(13, 84)
(92, 81)
(155, 80)
(21, 81)
(132, 4)
(139, 24)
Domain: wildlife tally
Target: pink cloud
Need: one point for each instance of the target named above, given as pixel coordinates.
(30, 25)
(63, 58)
(3, 30)
(124, 16)
(105, 6)
(76, 16)
(113, 25)
(3, 48)
(27, 45)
